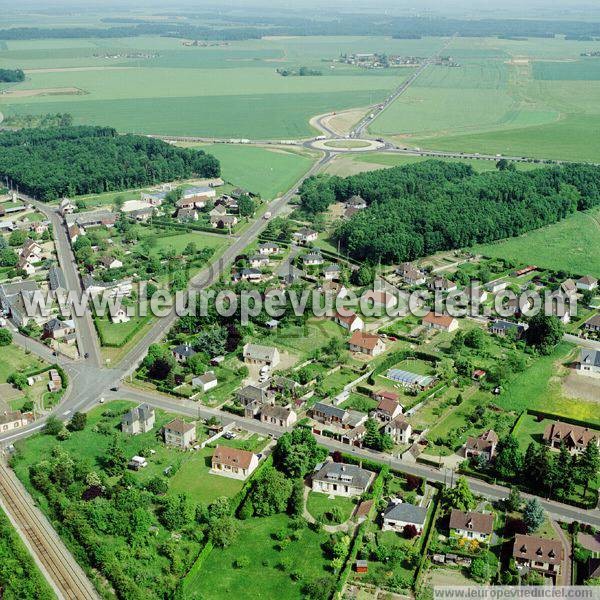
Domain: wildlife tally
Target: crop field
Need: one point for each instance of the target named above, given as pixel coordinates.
(562, 246)
(534, 98)
(157, 85)
(265, 171)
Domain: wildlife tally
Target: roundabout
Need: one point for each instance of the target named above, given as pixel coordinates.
(346, 145)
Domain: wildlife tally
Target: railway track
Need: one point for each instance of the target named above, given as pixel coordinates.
(68, 580)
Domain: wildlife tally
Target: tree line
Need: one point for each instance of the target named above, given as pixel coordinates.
(241, 27)
(11, 75)
(416, 210)
(68, 161)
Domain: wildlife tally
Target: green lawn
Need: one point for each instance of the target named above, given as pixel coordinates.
(116, 334)
(264, 578)
(320, 504)
(14, 358)
(263, 171)
(159, 241)
(189, 470)
(562, 246)
(540, 388)
(359, 402)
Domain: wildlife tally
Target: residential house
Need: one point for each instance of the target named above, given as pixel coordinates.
(539, 554)
(56, 329)
(233, 462)
(183, 352)
(154, 198)
(31, 251)
(56, 280)
(252, 398)
(351, 322)
(66, 207)
(399, 515)
(380, 395)
(256, 354)
(366, 343)
(328, 414)
(268, 248)
(472, 525)
(26, 266)
(441, 284)
(356, 202)
(312, 259)
(331, 272)
(399, 430)
(108, 262)
(187, 214)
(223, 221)
(305, 235)
(592, 325)
(503, 328)
(287, 273)
(120, 316)
(494, 287)
(258, 261)
(387, 409)
(278, 415)
(218, 211)
(440, 322)
(414, 277)
(14, 419)
(574, 437)
(355, 436)
(205, 382)
(568, 287)
(179, 433)
(251, 274)
(334, 288)
(589, 362)
(338, 479)
(484, 445)
(284, 385)
(138, 420)
(12, 302)
(587, 283)
(94, 218)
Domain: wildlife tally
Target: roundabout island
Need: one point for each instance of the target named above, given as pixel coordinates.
(347, 145)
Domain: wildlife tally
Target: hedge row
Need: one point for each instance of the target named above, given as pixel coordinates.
(235, 502)
(427, 540)
(377, 491)
(553, 417)
(189, 226)
(141, 323)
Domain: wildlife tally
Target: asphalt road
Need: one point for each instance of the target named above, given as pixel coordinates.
(493, 492)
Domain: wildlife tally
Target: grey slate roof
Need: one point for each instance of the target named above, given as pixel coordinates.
(348, 474)
(408, 513)
(56, 278)
(329, 410)
(252, 393)
(184, 350)
(590, 357)
(139, 413)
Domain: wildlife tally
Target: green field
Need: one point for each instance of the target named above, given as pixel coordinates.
(228, 91)
(264, 171)
(535, 98)
(263, 578)
(320, 504)
(563, 246)
(344, 165)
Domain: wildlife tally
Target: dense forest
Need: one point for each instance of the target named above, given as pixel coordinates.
(11, 75)
(241, 27)
(68, 161)
(419, 209)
